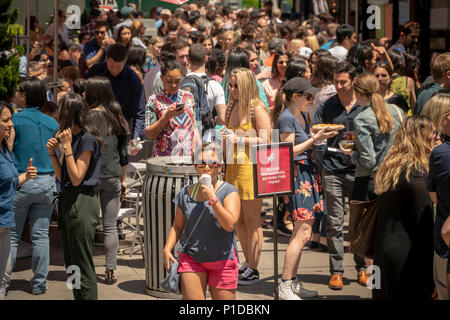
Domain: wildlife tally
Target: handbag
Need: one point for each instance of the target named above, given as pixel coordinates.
(361, 229)
(171, 283)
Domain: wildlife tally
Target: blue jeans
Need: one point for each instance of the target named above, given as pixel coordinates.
(34, 200)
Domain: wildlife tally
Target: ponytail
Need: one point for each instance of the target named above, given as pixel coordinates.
(279, 104)
(382, 114)
(368, 86)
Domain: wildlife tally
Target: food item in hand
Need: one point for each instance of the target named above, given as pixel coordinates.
(347, 144)
(328, 126)
(349, 135)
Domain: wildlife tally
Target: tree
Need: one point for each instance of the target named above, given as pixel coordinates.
(9, 63)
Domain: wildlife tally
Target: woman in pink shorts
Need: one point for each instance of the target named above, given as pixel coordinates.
(210, 256)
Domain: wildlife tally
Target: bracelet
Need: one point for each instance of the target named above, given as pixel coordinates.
(314, 138)
(68, 155)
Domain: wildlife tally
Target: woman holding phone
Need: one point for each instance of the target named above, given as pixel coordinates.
(10, 180)
(173, 134)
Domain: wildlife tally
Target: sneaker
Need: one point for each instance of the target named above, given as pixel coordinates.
(243, 267)
(282, 230)
(249, 277)
(298, 289)
(286, 292)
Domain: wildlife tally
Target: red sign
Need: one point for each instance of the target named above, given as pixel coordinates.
(179, 2)
(273, 171)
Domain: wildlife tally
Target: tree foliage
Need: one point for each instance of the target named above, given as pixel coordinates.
(9, 63)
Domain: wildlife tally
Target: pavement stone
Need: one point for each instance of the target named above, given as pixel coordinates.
(313, 273)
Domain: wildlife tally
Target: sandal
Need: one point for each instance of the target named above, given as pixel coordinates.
(109, 277)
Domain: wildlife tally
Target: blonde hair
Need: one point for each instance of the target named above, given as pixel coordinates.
(312, 43)
(294, 45)
(369, 86)
(436, 108)
(248, 89)
(153, 41)
(228, 32)
(409, 153)
(136, 27)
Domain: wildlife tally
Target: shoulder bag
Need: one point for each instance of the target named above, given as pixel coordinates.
(361, 228)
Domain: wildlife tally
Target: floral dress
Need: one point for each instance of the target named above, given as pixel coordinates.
(308, 198)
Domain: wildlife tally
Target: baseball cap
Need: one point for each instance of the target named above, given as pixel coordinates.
(166, 12)
(305, 51)
(300, 85)
(126, 11)
(159, 10)
(256, 13)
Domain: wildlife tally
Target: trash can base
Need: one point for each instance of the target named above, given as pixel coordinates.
(162, 294)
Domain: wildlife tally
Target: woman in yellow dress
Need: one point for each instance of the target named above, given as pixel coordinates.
(249, 121)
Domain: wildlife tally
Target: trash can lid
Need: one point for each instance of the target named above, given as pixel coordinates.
(171, 165)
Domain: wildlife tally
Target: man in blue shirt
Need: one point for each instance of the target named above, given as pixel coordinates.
(126, 85)
(95, 49)
(439, 187)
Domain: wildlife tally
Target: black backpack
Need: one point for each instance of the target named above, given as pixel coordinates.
(198, 86)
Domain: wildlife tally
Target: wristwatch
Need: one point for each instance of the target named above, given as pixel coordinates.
(213, 201)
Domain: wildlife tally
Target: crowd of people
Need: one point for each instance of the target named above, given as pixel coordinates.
(215, 77)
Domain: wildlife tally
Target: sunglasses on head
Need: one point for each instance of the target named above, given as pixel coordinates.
(203, 165)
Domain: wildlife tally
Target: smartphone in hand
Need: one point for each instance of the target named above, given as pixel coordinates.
(179, 107)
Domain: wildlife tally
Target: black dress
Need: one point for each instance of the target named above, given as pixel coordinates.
(404, 241)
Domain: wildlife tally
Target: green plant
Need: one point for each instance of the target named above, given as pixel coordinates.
(9, 63)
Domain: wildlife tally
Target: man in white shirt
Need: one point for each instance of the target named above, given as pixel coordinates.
(62, 28)
(346, 38)
(215, 93)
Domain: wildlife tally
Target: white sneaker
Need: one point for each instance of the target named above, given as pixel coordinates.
(285, 291)
(298, 289)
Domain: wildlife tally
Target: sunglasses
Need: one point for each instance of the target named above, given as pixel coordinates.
(100, 32)
(235, 86)
(309, 97)
(211, 165)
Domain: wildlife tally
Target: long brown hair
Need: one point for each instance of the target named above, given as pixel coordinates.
(368, 85)
(409, 153)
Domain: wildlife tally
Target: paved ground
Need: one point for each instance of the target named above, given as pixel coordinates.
(313, 270)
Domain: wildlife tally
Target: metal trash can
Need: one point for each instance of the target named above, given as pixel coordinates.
(165, 177)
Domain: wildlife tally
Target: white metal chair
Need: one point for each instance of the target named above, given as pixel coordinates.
(134, 182)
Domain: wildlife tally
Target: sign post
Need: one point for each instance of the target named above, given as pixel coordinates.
(273, 175)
